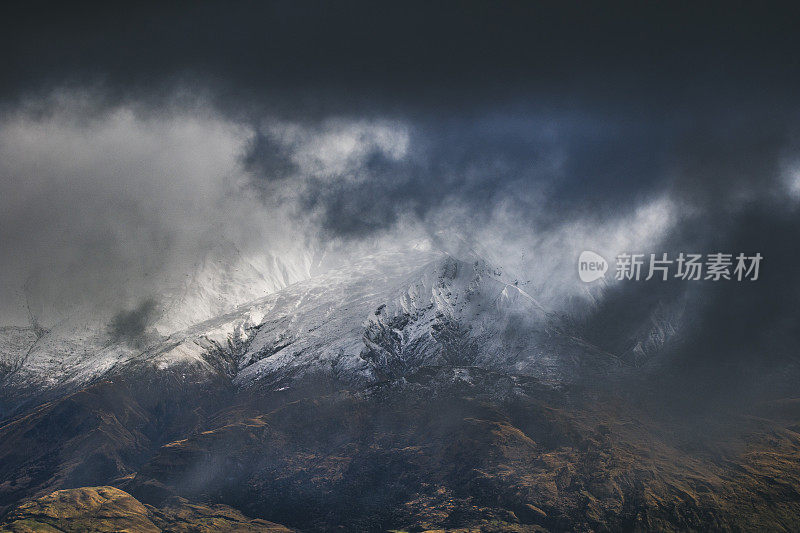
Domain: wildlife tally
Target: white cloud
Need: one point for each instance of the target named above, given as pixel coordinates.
(337, 148)
(101, 210)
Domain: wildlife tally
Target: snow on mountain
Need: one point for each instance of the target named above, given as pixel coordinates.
(14, 345)
(77, 345)
(381, 317)
(226, 278)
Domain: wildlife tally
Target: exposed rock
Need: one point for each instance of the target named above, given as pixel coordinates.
(107, 509)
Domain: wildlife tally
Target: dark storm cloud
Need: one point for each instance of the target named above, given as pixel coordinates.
(563, 111)
(735, 182)
(473, 162)
(547, 164)
(737, 340)
(130, 326)
(268, 159)
(637, 71)
(367, 56)
(557, 166)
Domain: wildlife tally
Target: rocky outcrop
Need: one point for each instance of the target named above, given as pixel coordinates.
(107, 509)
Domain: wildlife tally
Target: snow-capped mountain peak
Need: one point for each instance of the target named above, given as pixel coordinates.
(383, 316)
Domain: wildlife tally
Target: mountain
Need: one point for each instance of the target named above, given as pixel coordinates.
(415, 390)
(380, 317)
(225, 278)
(445, 448)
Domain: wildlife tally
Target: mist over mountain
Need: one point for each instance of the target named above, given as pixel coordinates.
(283, 265)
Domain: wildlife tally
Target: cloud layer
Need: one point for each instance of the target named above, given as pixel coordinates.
(137, 145)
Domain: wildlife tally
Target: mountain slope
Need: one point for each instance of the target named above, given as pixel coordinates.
(381, 317)
(107, 509)
(410, 391)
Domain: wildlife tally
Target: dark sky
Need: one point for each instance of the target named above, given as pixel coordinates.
(373, 56)
(525, 123)
(629, 85)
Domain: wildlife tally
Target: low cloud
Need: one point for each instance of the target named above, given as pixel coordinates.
(131, 326)
(99, 210)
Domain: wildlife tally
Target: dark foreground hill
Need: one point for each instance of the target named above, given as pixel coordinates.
(447, 448)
